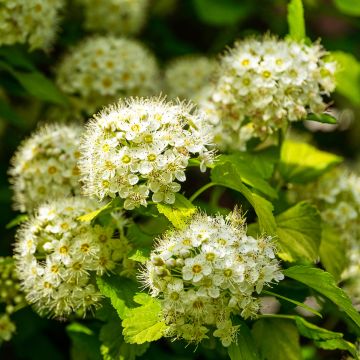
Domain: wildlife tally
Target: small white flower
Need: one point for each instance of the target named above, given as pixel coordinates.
(58, 273)
(32, 21)
(85, 73)
(262, 85)
(201, 277)
(45, 167)
(158, 139)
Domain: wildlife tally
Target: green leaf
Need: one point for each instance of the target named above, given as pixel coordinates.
(244, 348)
(347, 75)
(324, 283)
(308, 308)
(139, 255)
(277, 339)
(85, 344)
(341, 344)
(113, 345)
(138, 237)
(314, 332)
(36, 84)
(7, 113)
(263, 161)
(301, 162)
(248, 174)
(143, 324)
(322, 118)
(224, 12)
(178, 213)
(348, 7)
(17, 220)
(94, 214)
(227, 175)
(299, 233)
(296, 21)
(323, 338)
(334, 261)
(119, 290)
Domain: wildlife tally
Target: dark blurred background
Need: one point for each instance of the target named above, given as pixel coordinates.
(174, 28)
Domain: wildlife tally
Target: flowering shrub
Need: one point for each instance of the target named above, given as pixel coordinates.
(177, 204)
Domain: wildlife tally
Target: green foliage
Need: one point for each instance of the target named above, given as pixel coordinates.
(17, 221)
(324, 283)
(347, 75)
(277, 339)
(143, 324)
(10, 115)
(94, 214)
(85, 344)
(249, 174)
(139, 255)
(179, 212)
(296, 21)
(220, 13)
(301, 162)
(36, 84)
(349, 7)
(228, 175)
(119, 290)
(323, 338)
(322, 118)
(334, 261)
(299, 233)
(244, 348)
(113, 346)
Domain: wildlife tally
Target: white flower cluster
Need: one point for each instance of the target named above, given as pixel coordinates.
(57, 256)
(186, 76)
(10, 293)
(44, 166)
(31, 21)
(123, 17)
(208, 271)
(103, 68)
(142, 145)
(337, 196)
(7, 328)
(268, 82)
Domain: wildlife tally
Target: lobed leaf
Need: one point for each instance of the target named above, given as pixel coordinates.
(178, 213)
(277, 339)
(143, 324)
(301, 162)
(299, 233)
(228, 175)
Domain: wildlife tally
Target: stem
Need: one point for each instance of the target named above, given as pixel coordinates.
(201, 190)
(277, 316)
(215, 197)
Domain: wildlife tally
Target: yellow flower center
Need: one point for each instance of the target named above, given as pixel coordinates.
(196, 268)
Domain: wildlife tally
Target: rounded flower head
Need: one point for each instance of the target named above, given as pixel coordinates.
(58, 255)
(207, 271)
(186, 76)
(101, 69)
(31, 21)
(7, 328)
(10, 293)
(45, 167)
(268, 82)
(142, 146)
(337, 196)
(121, 17)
